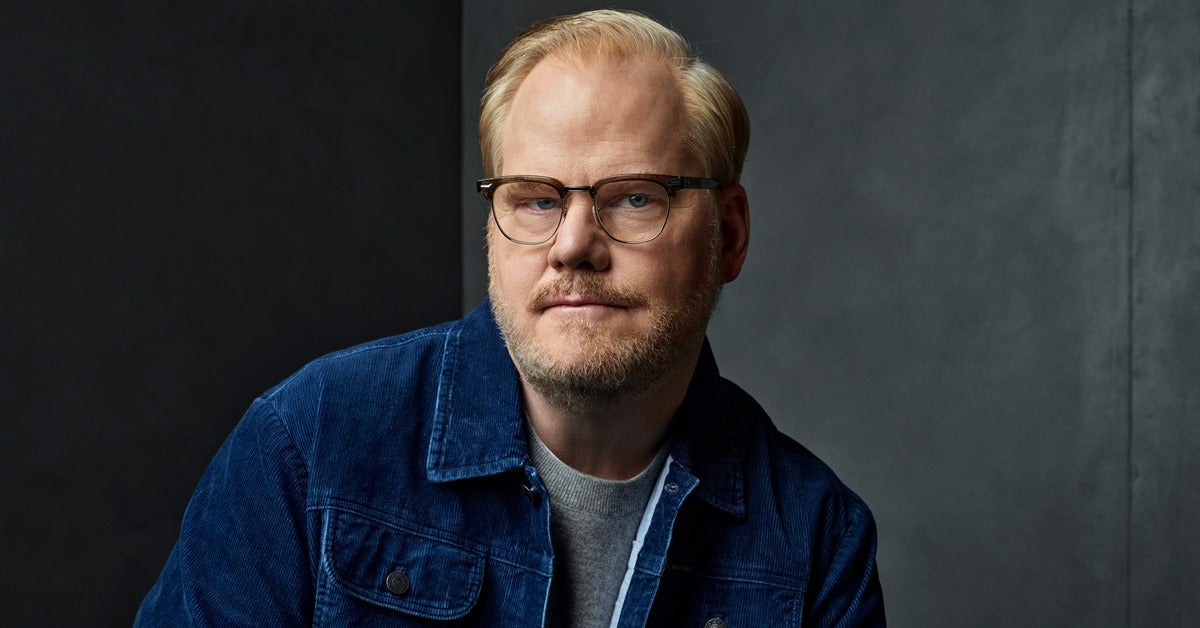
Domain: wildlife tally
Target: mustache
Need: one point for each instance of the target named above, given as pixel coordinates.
(587, 285)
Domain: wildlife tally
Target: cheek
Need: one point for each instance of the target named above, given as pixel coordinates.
(667, 278)
(512, 272)
(685, 262)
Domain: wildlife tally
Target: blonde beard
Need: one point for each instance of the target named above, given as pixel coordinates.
(609, 368)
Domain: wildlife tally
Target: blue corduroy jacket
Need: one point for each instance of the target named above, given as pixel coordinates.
(390, 485)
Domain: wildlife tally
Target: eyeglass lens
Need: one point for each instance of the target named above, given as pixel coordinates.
(631, 210)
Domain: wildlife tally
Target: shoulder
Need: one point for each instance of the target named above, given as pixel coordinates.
(784, 515)
(785, 471)
(370, 362)
(825, 526)
(360, 391)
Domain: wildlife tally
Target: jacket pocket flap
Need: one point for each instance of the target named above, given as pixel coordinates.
(401, 569)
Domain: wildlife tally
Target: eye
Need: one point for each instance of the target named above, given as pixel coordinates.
(631, 195)
(637, 201)
(531, 197)
(544, 204)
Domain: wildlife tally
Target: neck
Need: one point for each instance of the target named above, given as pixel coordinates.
(614, 438)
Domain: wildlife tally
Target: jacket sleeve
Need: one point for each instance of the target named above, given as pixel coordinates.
(242, 557)
(849, 595)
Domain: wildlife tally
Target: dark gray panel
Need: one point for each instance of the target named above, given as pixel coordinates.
(1166, 312)
(936, 295)
(196, 199)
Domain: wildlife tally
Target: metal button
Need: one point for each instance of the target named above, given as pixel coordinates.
(715, 622)
(398, 583)
(532, 495)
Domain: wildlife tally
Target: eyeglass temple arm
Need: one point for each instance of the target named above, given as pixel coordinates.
(694, 183)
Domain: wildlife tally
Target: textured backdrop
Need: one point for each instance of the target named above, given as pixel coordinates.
(973, 285)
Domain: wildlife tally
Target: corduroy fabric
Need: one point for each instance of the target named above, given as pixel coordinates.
(390, 484)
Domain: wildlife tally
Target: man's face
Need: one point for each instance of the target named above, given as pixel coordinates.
(587, 318)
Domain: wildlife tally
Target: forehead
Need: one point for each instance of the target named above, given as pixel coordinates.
(602, 116)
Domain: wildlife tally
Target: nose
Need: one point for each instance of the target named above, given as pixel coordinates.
(579, 242)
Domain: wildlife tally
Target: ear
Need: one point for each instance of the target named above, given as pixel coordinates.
(734, 210)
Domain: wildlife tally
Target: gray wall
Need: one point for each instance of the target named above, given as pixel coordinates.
(973, 285)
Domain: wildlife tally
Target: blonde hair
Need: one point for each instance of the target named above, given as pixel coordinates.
(716, 125)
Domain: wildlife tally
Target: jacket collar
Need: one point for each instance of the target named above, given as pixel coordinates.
(707, 441)
(478, 423)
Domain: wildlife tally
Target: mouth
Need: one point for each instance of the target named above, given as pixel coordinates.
(583, 294)
(580, 301)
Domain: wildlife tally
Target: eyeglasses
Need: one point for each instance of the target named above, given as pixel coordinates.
(630, 208)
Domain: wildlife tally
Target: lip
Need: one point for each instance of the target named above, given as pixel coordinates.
(578, 301)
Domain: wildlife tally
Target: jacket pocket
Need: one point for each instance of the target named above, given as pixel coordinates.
(688, 597)
(396, 567)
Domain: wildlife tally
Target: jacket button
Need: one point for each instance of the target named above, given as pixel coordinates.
(715, 622)
(397, 582)
(532, 495)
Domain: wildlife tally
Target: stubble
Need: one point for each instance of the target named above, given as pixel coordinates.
(608, 367)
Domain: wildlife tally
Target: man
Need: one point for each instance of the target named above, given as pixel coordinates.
(566, 455)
